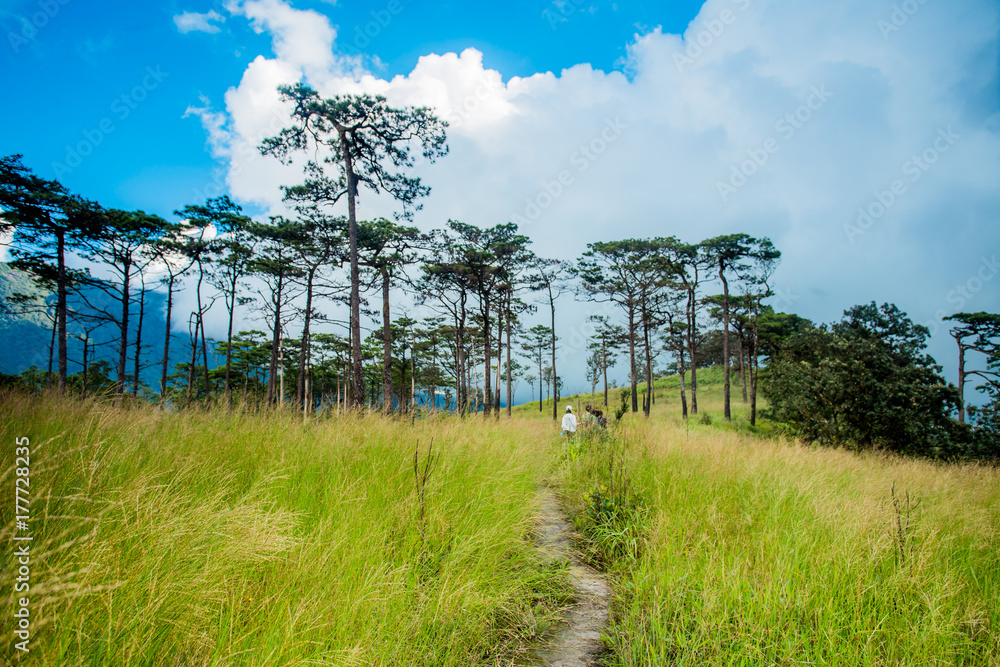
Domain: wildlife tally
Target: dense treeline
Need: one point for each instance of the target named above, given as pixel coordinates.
(680, 306)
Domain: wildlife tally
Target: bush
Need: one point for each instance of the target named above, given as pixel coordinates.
(865, 383)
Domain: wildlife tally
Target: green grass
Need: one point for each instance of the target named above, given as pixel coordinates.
(763, 552)
(237, 538)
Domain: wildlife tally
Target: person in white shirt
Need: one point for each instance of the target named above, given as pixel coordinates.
(569, 422)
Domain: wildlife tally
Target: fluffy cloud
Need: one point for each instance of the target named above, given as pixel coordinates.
(195, 22)
(863, 139)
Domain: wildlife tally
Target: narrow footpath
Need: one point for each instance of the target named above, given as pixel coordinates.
(576, 642)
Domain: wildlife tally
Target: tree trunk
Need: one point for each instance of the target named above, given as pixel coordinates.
(123, 345)
(204, 356)
(631, 359)
(743, 371)
(194, 356)
(357, 389)
(52, 342)
(509, 389)
(61, 305)
(300, 385)
(726, 411)
(961, 381)
(272, 369)
(487, 387)
(555, 376)
(281, 369)
(138, 338)
(680, 364)
(386, 345)
(692, 338)
(83, 385)
(541, 378)
(166, 339)
(604, 365)
(754, 368)
(229, 338)
(496, 389)
(649, 364)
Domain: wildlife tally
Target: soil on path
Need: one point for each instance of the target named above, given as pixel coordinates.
(576, 642)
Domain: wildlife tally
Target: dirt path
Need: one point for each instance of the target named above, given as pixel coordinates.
(577, 641)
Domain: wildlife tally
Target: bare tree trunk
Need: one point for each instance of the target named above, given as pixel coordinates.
(680, 364)
(194, 355)
(649, 364)
(83, 386)
(123, 329)
(743, 370)
(692, 338)
(61, 306)
(631, 359)
(166, 341)
(229, 340)
(726, 411)
(487, 389)
(496, 389)
(138, 337)
(300, 385)
(52, 342)
(961, 381)
(357, 392)
(281, 369)
(204, 354)
(272, 370)
(555, 375)
(386, 346)
(509, 389)
(604, 363)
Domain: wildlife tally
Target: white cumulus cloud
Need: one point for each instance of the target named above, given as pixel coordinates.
(870, 156)
(194, 22)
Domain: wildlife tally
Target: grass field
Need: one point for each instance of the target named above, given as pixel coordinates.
(243, 539)
(236, 538)
(768, 552)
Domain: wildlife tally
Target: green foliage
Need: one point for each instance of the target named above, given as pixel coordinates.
(625, 396)
(865, 382)
(615, 523)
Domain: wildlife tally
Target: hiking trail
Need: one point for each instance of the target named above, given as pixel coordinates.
(576, 640)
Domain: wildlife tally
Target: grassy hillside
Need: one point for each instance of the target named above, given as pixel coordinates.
(234, 538)
(733, 550)
(260, 540)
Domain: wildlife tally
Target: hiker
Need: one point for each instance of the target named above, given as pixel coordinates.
(594, 417)
(568, 423)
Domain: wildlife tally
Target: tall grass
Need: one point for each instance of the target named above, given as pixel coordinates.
(768, 552)
(239, 538)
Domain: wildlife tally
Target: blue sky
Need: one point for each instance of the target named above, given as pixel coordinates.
(862, 137)
(83, 57)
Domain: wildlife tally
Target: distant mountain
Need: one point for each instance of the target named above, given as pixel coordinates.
(26, 334)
